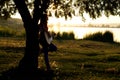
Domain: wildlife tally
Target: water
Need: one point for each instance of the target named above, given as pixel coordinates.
(80, 32)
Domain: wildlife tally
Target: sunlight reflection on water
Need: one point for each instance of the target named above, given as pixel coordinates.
(80, 32)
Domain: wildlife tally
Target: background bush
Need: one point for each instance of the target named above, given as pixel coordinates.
(99, 36)
(95, 36)
(108, 36)
(65, 36)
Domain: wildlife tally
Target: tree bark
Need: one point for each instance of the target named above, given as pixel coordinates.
(30, 60)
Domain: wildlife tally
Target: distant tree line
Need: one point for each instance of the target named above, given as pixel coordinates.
(8, 32)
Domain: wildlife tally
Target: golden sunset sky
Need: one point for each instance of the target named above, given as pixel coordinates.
(78, 20)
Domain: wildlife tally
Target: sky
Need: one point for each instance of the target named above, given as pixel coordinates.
(78, 20)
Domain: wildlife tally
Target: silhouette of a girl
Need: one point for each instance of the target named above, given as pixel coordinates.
(45, 40)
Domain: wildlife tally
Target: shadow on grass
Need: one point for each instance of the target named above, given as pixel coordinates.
(13, 49)
(15, 74)
(113, 58)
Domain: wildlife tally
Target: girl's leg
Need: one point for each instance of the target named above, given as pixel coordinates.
(45, 50)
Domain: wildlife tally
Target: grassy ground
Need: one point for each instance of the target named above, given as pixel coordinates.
(74, 60)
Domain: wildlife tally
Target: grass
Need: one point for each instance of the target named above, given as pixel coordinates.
(74, 60)
(9, 32)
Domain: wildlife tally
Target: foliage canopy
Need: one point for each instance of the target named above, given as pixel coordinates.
(67, 8)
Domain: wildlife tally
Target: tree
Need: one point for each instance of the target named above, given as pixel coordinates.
(60, 8)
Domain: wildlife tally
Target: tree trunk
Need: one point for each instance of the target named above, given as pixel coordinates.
(30, 60)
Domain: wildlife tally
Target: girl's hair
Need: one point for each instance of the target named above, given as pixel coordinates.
(43, 22)
(44, 18)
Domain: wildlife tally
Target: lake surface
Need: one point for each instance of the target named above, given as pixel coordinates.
(80, 32)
